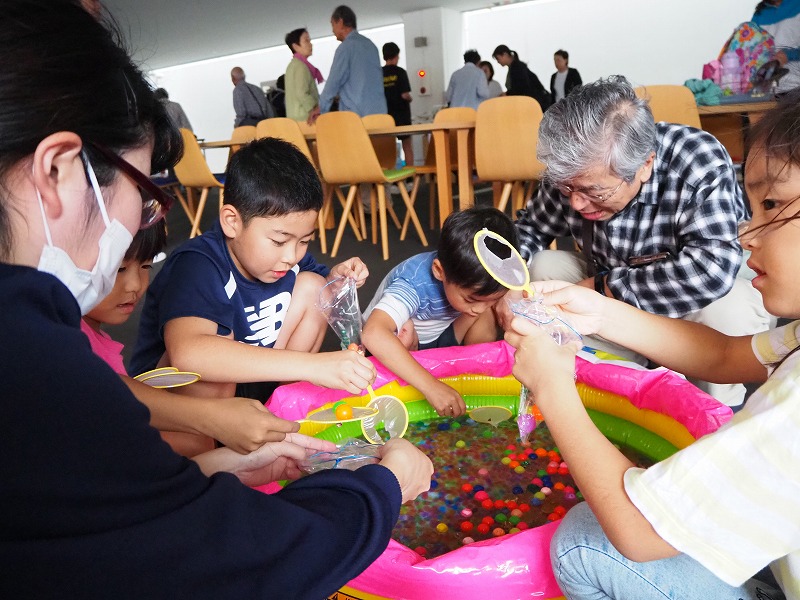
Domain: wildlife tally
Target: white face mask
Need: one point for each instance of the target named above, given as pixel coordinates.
(88, 287)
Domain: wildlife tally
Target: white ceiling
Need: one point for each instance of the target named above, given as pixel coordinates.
(163, 33)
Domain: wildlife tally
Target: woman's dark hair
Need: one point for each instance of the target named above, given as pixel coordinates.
(269, 178)
(293, 37)
(488, 65)
(503, 49)
(457, 253)
(65, 71)
(776, 136)
(346, 15)
(148, 242)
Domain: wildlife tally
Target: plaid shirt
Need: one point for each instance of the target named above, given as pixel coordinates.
(690, 207)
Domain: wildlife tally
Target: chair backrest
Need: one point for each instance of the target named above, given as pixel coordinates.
(192, 169)
(242, 135)
(345, 152)
(506, 134)
(456, 114)
(385, 146)
(287, 130)
(671, 103)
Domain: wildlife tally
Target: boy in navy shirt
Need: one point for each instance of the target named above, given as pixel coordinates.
(437, 299)
(237, 304)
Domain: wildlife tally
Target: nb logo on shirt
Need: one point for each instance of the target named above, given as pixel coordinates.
(266, 323)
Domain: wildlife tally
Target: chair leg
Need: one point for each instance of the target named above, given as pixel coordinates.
(412, 214)
(199, 213)
(382, 210)
(353, 224)
(407, 219)
(432, 200)
(517, 197)
(221, 197)
(390, 209)
(372, 209)
(343, 223)
(327, 207)
(501, 204)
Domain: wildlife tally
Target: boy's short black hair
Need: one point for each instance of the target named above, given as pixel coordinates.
(269, 178)
(148, 242)
(457, 252)
(390, 50)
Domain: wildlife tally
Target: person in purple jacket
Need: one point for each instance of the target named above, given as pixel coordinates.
(92, 503)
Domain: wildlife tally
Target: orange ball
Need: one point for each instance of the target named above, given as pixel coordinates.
(344, 411)
(353, 346)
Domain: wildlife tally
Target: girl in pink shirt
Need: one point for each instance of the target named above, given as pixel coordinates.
(133, 277)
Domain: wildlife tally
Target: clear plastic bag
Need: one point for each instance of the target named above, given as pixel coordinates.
(352, 454)
(549, 319)
(338, 301)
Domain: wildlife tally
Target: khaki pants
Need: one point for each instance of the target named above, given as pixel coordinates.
(740, 312)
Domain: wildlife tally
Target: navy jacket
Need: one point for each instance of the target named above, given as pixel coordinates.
(94, 505)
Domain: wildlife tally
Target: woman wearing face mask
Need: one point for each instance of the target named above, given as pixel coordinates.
(92, 503)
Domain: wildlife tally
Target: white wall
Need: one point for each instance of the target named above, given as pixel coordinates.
(649, 41)
(205, 91)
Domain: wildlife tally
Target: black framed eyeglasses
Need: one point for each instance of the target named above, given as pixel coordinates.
(566, 190)
(155, 201)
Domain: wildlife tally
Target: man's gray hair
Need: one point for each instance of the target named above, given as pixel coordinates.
(601, 124)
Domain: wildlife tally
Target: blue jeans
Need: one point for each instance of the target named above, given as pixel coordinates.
(587, 566)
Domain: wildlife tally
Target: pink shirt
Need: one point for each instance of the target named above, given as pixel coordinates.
(106, 348)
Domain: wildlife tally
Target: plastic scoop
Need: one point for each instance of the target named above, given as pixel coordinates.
(167, 377)
(493, 415)
(391, 413)
(502, 261)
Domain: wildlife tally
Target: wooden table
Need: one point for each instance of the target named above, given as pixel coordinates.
(729, 123)
(444, 177)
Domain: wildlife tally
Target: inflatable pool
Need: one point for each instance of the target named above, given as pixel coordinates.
(653, 411)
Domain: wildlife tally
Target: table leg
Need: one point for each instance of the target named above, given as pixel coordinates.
(443, 177)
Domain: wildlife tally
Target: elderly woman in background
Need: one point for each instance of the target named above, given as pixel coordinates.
(301, 79)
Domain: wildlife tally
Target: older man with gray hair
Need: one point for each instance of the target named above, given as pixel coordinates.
(654, 207)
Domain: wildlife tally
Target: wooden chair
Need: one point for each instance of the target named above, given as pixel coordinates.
(386, 150)
(290, 131)
(241, 135)
(193, 172)
(671, 103)
(461, 114)
(506, 134)
(347, 157)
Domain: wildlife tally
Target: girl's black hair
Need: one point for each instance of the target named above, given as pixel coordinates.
(776, 136)
(147, 243)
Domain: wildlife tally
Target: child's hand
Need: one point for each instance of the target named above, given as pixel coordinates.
(343, 370)
(446, 401)
(353, 268)
(411, 467)
(583, 308)
(244, 425)
(538, 358)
